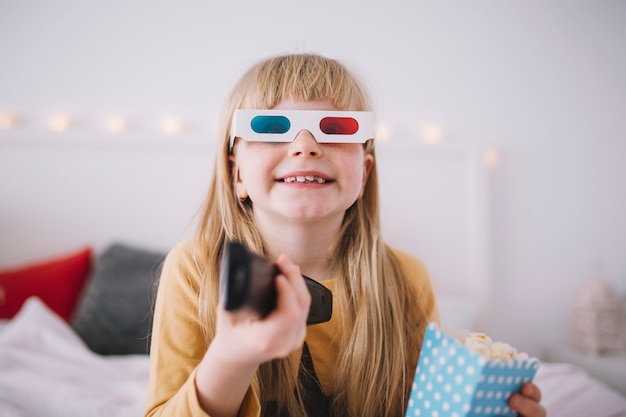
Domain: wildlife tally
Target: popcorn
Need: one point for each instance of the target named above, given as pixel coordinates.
(481, 343)
(467, 376)
(504, 351)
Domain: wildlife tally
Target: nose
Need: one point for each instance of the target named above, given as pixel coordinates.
(304, 144)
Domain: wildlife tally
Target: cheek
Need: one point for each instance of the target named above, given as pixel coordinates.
(250, 174)
(353, 172)
(254, 172)
(248, 161)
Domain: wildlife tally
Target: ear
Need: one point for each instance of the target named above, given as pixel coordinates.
(368, 164)
(240, 188)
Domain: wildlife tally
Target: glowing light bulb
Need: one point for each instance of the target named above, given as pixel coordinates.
(491, 158)
(7, 120)
(383, 131)
(115, 124)
(59, 123)
(172, 125)
(432, 133)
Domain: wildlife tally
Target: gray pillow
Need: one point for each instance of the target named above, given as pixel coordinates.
(115, 314)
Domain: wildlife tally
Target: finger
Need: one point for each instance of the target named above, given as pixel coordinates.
(290, 313)
(531, 391)
(526, 407)
(292, 272)
(287, 296)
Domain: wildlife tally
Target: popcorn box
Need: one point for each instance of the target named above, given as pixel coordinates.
(453, 381)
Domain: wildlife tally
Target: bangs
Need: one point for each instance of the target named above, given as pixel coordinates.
(303, 77)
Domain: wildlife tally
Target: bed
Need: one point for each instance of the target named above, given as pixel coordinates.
(88, 355)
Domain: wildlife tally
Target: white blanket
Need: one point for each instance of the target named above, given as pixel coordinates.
(46, 370)
(568, 391)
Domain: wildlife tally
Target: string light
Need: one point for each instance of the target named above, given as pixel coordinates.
(171, 125)
(432, 133)
(491, 158)
(59, 123)
(383, 131)
(115, 124)
(7, 120)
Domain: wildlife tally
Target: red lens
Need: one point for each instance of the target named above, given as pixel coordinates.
(339, 125)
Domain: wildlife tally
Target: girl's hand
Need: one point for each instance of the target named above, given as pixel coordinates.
(249, 340)
(526, 402)
(242, 342)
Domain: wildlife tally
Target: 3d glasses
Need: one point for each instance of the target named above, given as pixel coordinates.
(284, 125)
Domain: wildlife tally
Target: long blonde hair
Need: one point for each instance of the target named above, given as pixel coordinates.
(374, 364)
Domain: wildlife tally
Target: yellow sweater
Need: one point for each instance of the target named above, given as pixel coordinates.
(178, 344)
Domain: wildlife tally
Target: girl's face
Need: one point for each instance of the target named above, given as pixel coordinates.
(301, 180)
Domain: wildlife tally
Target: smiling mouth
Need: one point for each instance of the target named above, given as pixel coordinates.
(303, 179)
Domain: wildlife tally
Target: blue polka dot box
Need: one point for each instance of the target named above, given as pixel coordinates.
(453, 381)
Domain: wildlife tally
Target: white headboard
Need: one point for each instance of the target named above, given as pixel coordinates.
(435, 205)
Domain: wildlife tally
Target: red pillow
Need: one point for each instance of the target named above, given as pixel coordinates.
(58, 282)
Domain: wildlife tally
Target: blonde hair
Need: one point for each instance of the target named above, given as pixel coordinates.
(382, 324)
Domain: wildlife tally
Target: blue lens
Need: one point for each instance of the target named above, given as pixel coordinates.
(270, 124)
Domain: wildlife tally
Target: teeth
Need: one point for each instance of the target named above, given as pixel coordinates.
(305, 179)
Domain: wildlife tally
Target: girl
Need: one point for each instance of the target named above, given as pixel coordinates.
(312, 206)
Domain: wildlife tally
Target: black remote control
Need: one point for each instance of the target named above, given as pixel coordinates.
(248, 282)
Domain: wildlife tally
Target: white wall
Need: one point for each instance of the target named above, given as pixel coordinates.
(542, 83)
